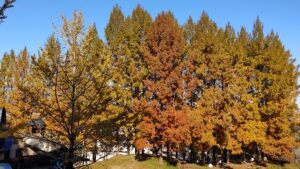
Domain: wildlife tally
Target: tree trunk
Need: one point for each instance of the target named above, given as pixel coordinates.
(184, 155)
(118, 142)
(168, 151)
(193, 155)
(118, 149)
(95, 150)
(203, 156)
(136, 152)
(259, 155)
(70, 158)
(209, 156)
(128, 149)
(228, 156)
(224, 154)
(161, 160)
(214, 159)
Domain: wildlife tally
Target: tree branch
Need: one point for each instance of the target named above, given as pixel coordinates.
(7, 4)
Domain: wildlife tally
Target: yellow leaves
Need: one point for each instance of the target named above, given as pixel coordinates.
(201, 128)
(234, 145)
(280, 148)
(72, 30)
(159, 83)
(207, 137)
(252, 131)
(69, 88)
(13, 130)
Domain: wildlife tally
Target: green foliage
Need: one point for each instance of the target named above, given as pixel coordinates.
(114, 26)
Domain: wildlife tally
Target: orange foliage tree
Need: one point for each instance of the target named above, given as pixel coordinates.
(164, 120)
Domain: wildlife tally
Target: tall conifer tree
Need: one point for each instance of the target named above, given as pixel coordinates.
(164, 122)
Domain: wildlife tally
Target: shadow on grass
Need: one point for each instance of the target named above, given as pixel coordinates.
(142, 157)
(233, 164)
(170, 161)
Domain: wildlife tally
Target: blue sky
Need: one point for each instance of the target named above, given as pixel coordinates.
(31, 22)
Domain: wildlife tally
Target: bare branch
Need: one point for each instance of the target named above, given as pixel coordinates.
(7, 4)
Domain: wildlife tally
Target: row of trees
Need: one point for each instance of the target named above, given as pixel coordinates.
(157, 84)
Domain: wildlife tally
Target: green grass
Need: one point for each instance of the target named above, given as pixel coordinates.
(286, 166)
(129, 162)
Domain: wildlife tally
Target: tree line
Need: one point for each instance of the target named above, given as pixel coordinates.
(154, 83)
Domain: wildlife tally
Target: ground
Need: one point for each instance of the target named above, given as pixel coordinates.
(129, 162)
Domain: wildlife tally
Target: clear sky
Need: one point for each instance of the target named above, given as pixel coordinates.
(31, 22)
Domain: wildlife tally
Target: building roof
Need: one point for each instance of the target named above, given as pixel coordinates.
(37, 122)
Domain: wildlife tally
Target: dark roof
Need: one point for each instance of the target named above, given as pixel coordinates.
(37, 122)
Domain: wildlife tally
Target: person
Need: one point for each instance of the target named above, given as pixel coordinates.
(7, 146)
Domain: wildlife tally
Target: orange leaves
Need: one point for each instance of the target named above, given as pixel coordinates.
(175, 128)
(280, 148)
(164, 85)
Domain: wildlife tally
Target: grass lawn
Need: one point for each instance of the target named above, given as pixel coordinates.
(287, 166)
(129, 162)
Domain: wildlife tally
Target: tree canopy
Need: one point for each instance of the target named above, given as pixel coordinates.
(156, 84)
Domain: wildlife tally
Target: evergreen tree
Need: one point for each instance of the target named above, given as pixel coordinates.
(113, 27)
(189, 30)
(7, 71)
(18, 107)
(130, 63)
(277, 77)
(203, 52)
